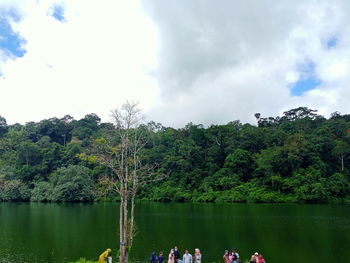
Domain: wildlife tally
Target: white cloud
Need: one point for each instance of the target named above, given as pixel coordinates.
(200, 61)
(99, 57)
(255, 49)
(292, 76)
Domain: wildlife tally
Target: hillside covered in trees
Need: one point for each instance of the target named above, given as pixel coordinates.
(297, 157)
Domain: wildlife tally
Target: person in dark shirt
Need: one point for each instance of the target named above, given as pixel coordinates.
(161, 257)
(176, 254)
(153, 258)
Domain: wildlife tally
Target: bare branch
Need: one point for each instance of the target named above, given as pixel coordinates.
(120, 151)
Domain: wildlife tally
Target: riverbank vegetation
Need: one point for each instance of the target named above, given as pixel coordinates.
(83, 260)
(297, 157)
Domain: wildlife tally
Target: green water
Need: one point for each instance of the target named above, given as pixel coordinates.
(31, 232)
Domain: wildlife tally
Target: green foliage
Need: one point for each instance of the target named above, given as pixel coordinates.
(338, 185)
(240, 162)
(42, 192)
(73, 183)
(3, 126)
(14, 190)
(83, 260)
(297, 157)
(167, 192)
(308, 185)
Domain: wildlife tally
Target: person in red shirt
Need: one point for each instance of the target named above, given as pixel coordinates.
(261, 259)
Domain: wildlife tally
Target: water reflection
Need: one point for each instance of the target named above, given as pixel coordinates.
(57, 233)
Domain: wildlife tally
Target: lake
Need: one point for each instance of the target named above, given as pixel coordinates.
(36, 232)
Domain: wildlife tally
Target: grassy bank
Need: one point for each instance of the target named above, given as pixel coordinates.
(83, 260)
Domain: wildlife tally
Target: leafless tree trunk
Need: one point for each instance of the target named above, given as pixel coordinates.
(342, 161)
(120, 151)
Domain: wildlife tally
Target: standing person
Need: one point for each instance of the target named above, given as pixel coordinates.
(161, 257)
(104, 256)
(233, 256)
(171, 258)
(236, 255)
(226, 257)
(197, 256)
(252, 259)
(187, 257)
(260, 259)
(153, 258)
(176, 253)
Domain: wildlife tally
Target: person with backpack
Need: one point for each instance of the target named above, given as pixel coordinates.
(234, 256)
(234, 251)
(153, 258)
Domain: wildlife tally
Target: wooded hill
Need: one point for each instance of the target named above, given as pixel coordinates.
(297, 157)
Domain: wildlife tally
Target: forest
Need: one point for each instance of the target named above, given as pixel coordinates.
(298, 157)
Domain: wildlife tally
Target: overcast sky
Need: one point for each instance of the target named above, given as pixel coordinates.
(199, 61)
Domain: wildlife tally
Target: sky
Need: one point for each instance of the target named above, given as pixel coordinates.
(200, 61)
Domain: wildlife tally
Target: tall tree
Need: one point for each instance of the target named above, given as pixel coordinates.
(341, 150)
(120, 150)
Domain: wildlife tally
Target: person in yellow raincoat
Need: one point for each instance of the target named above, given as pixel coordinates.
(104, 256)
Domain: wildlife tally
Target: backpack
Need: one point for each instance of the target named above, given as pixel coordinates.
(234, 255)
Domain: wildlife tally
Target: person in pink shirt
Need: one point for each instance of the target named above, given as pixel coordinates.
(260, 259)
(171, 257)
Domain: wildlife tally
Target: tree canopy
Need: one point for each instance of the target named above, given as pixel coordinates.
(297, 157)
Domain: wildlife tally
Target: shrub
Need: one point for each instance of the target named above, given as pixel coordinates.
(73, 183)
(42, 192)
(14, 190)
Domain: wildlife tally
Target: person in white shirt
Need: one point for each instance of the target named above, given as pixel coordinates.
(197, 256)
(187, 257)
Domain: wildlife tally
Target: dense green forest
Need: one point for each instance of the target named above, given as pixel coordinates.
(297, 157)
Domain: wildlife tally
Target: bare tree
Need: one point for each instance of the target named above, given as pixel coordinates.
(121, 151)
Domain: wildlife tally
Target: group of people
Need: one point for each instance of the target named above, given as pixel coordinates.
(257, 258)
(233, 257)
(175, 256)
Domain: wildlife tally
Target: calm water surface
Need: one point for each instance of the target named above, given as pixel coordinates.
(34, 232)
